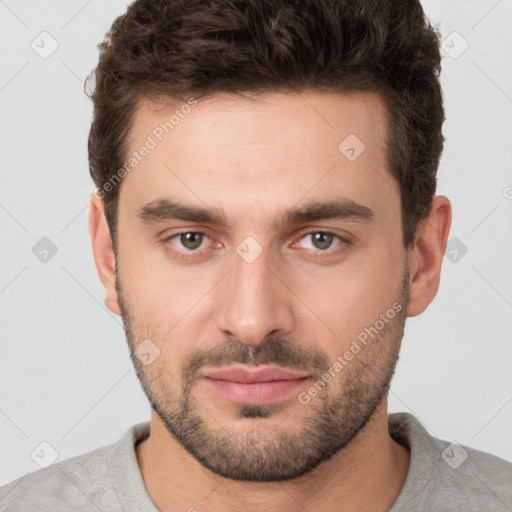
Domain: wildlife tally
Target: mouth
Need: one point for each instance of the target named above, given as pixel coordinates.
(257, 386)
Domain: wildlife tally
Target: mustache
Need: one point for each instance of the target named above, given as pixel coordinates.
(271, 351)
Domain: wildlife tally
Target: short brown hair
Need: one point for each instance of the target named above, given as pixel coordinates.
(195, 48)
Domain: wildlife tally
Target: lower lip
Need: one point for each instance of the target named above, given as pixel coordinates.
(256, 393)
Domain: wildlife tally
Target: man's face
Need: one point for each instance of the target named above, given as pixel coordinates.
(263, 289)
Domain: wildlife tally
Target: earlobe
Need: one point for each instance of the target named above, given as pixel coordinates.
(104, 257)
(425, 258)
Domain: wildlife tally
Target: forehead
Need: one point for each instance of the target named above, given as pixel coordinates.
(240, 154)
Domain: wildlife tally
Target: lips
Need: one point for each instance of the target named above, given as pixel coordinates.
(258, 375)
(257, 386)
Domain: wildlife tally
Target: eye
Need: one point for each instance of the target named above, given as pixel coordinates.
(322, 240)
(189, 240)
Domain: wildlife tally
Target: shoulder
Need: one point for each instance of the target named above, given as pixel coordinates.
(446, 475)
(484, 478)
(83, 482)
(70, 482)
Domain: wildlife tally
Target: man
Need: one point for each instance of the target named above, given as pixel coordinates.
(265, 221)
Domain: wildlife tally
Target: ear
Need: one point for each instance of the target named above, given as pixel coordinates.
(103, 252)
(426, 256)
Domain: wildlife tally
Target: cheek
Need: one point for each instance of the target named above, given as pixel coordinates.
(163, 301)
(352, 297)
(155, 287)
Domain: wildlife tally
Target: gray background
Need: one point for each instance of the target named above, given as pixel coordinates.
(66, 376)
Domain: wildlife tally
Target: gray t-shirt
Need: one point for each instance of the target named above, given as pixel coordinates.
(442, 477)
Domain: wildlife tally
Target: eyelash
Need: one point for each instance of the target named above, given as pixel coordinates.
(190, 253)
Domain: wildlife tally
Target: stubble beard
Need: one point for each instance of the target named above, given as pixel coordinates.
(246, 452)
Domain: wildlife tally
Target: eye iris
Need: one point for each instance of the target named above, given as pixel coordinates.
(322, 240)
(191, 240)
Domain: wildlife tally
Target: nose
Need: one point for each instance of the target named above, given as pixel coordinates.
(254, 301)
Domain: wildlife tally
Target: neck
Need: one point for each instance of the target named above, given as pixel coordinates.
(367, 474)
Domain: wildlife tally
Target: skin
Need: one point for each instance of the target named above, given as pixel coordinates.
(253, 159)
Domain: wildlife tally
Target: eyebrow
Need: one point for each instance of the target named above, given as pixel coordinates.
(340, 209)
